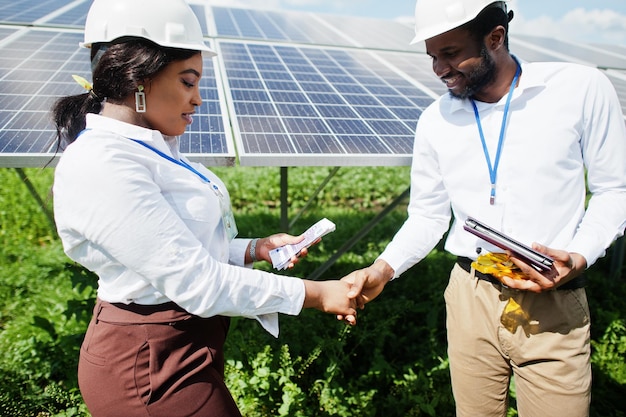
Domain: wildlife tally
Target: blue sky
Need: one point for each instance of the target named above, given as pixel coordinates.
(587, 21)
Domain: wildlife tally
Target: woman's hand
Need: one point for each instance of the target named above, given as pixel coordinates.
(331, 297)
(266, 244)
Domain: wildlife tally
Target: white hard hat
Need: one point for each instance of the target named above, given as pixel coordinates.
(169, 23)
(434, 17)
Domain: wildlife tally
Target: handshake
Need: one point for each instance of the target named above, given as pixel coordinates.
(345, 296)
(340, 297)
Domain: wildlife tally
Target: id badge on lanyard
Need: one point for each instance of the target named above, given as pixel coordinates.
(228, 218)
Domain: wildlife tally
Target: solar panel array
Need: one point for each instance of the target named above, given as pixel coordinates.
(287, 88)
(306, 102)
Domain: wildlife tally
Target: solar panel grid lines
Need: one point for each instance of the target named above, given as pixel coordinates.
(279, 27)
(301, 128)
(621, 49)
(36, 61)
(374, 33)
(313, 28)
(392, 91)
(270, 127)
(531, 53)
(540, 49)
(225, 25)
(199, 11)
(305, 91)
(73, 17)
(292, 27)
(36, 69)
(28, 12)
(208, 139)
(66, 15)
(6, 31)
(291, 88)
(236, 23)
(573, 52)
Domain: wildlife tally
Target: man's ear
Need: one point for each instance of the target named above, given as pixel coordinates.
(495, 39)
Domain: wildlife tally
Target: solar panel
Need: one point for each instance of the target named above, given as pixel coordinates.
(296, 105)
(36, 68)
(375, 33)
(74, 16)
(28, 12)
(620, 49)
(199, 11)
(532, 53)
(30, 67)
(275, 26)
(312, 28)
(6, 31)
(288, 88)
(585, 53)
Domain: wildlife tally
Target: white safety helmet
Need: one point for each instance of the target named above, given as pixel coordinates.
(169, 23)
(434, 17)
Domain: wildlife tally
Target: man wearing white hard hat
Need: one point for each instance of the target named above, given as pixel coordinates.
(156, 228)
(510, 145)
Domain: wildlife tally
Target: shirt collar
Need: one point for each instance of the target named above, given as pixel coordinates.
(98, 122)
(167, 144)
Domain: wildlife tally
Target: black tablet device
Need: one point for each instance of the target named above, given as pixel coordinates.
(538, 260)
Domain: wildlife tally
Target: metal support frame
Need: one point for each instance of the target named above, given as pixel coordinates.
(284, 199)
(359, 235)
(31, 188)
(286, 224)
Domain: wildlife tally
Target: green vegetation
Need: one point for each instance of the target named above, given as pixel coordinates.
(392, 364)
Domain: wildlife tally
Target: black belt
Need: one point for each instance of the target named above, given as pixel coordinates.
(466, 264)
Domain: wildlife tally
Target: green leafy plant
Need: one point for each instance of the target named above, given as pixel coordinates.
(393, 363)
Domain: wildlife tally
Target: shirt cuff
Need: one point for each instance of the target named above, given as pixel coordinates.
(237, 252)
(297, 290)
(269, 323)
(398, 260)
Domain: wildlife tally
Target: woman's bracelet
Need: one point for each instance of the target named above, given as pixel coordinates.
(252, 251)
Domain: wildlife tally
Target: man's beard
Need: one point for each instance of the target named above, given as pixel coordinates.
(479, 77)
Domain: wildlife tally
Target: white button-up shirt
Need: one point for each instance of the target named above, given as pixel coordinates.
(564, 122)
(152, 230)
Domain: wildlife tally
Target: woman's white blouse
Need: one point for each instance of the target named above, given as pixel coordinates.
(152, 230)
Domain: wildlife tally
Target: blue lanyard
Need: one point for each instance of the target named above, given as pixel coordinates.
(493, 170)
(182, 164)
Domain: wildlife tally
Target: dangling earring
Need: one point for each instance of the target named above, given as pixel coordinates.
(140, 100)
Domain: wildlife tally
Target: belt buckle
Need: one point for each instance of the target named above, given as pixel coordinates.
(508, 291)
(502, 287)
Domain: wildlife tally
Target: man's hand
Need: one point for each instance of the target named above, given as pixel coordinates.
(367, 283)
(566, 267)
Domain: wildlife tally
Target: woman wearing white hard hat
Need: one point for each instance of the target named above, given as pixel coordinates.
(156, 229)
(513, 144)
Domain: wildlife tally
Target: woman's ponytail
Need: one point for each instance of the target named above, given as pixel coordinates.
(69, 115)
